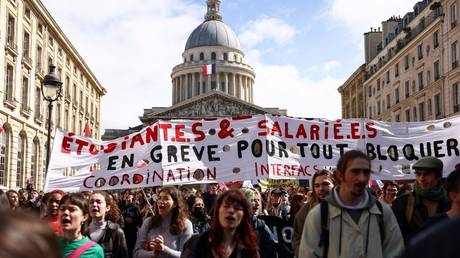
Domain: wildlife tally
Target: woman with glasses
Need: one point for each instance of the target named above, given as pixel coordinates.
(164, 234)
(231, 233)
(74, 216)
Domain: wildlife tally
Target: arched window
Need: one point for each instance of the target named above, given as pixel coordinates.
(34, 163)
(4, 150)
(235, 58)
(20, 161)
(191, 58)
(225, 56)
(213, 56)
(201, 56)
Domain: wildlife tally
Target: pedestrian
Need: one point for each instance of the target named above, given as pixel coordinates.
(132, 220)
(13, 198)
(74, 217)
(428, 199)
(231, 233)
(351, 222)
(322, 184)
(103, 231)
(210, 197)
(53, 201)
(452, 186)
(197, 213)
(164, 234)
(25, 236)
(265, 238)
(389, 192)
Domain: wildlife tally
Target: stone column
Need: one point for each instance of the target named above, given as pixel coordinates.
(174, 89)
(201, 84)
(233, 89)
(252, 91)
(187, 85)
(240, 86)
(182, 88)
(218, 81)
(193, 85)
(226, 83)
(208, 84)
(248, 88)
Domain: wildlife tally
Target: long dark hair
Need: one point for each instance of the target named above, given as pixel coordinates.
(79, 199)
(244, 232)
(178, 215)
(314, 197)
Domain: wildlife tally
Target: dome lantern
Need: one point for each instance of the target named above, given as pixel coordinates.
(213, 11)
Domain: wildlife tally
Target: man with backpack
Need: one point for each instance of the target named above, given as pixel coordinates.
(412, 210)
(351, 222)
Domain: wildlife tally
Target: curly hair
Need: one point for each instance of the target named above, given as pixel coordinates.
(114, 214)
(244, 232)
(178, 214)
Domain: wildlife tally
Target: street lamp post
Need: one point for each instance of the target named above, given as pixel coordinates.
(51, 90)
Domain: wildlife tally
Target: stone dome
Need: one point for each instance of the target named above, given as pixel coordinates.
(213, 33)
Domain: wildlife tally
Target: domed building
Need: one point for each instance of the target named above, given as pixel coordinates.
(212, 81)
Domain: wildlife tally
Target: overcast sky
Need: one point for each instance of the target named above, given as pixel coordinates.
(301, 50)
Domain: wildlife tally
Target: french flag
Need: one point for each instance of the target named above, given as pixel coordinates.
(209, 69)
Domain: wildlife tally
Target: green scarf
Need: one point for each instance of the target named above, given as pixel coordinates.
(436, 194)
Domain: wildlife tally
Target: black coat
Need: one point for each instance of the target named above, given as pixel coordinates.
(113, 241)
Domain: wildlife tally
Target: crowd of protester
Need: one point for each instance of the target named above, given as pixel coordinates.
(339, 215)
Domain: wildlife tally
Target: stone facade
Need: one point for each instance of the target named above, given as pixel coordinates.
(414, 75)
(352, 93)
(31, 41)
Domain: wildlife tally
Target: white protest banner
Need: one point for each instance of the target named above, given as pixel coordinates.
(246, 148)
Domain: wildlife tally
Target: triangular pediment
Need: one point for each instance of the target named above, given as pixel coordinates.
(211, 104)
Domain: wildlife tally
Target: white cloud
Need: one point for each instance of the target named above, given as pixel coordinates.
(331, 66)
(131, 46)
(266, 29)
(359, 15)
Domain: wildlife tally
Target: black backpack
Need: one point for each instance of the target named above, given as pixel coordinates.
(324, 237)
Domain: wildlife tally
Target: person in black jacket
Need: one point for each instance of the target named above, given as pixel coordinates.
(106, 233)
(412, 210)
(133, 220)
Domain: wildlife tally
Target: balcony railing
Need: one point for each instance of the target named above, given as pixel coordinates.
(11, 47)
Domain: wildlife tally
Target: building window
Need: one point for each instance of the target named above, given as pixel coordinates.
(420, 51)
(74, 123)
(369, 92)
(58, 115)
(408, 115)
(11, 30)
(33, 164)
(9, 84)
(437, 74)
(25, 93)
(213, 56)
(437, 105)
(4, 150)
(407, 89)
(453, 15)
(398, 118)
(81, 99)
(378, 84)
(430, 108)
(421, 109)
(388, 76)
(406, 62)
(191, 58)
(50, 41)
(37, 102)
(226, 56)
(75, 93)
(397, 95)
(414, 113)
(26, 45)
(454, 56)
(388, 101)
(420, 80)
(201, 56)
(27, 13)
(397, 70)
(436, 39)
(20, 160)
(40, 28)
(455, 96)
(378, 108)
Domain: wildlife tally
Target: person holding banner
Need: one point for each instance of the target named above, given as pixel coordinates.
(231, 233)
(74, 216)
(428, 199)
(164, 234)
(350, 212)
(103, 231)
(323, 182)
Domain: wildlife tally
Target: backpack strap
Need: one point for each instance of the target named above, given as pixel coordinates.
(324, 237)
(81, 249)
(410, 207)
(381, 221)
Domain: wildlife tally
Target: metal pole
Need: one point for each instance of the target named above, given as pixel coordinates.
(50, 109)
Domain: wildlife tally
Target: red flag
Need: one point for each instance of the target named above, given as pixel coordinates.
(88, 130)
